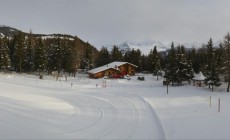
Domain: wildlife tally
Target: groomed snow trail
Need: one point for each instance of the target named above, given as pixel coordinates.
(54, 111)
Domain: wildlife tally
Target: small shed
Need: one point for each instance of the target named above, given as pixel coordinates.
(198, 79)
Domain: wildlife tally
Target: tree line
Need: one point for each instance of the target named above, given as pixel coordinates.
(30, 53)
(36, 53)
(179, 63)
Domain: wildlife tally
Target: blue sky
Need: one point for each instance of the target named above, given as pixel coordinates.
(108, 22)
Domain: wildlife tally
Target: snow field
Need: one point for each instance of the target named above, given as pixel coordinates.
(31, 108)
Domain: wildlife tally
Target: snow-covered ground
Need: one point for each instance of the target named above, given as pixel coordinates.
(81, 108)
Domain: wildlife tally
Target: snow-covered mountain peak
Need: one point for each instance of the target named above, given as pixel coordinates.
(146, 46)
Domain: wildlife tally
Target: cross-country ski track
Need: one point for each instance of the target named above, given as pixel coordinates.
(32, 109)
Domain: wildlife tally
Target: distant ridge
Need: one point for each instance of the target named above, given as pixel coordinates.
(10, 32)
(146, 46)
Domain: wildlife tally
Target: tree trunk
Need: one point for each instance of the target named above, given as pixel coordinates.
(212, 87)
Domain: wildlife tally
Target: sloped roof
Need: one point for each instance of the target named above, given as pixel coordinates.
(109, 66)
(199, 77)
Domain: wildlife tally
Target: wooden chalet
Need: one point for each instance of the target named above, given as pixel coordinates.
(114, 69)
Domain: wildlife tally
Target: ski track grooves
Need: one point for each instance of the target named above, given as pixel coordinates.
(97, 115)
(155, 119)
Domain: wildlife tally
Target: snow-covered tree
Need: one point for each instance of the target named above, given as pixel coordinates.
(171, 69)
(5, 61)
(154, 60)
(211, 68)
(29, 46)
(55, 55)
(19, 52)
(40, 56)
(184, 67)
(226, 64)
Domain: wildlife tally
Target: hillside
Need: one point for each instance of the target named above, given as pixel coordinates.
(10, 32)
(61, 51)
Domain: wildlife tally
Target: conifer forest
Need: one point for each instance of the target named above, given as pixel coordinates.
(27, 52)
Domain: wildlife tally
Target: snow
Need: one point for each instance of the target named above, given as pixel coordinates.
(199, 77)
(2, 35)
(31, 108)
(53, 36)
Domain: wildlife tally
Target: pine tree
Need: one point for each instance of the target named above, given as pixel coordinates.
(68, 56)
(211, 71)
(19, 52)
(5, 62)
(171, 69)
(154, 60)
(55, 56)
(213, 78)
(104, 57)
(86, 62)
(220, 58)
(29, 58)
(184, 67)
(78, 53)
(226, 64)
(116, 54)
(39, 56)
(210, 53)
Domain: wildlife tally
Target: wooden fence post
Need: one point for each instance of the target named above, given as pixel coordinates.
(219, 105)
(210, 101)
(167, 88)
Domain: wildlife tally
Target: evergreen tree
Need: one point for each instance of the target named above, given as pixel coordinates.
(210, 54)
(68, 55)
(19, 52)
(78, 53)
(213, 78)
(116, 54)
(144, 66)
(184, 67)
(171, 69)
(29, 58)
(55, 56)
(86, 62)
(202, 59)
(4, 53)
(193, 60)
(226, 65)
(220, 58)
(154, 60)
(211, 71)
(40, 55)
(104, 57)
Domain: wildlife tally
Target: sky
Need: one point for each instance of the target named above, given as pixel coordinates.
(111, 22)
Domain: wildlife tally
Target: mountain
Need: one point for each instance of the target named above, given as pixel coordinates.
(10, 32)
(146, 46)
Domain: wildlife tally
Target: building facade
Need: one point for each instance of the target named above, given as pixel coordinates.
(113, 70)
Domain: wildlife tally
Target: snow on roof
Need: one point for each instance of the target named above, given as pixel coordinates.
(199, 77)
(112, 65)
